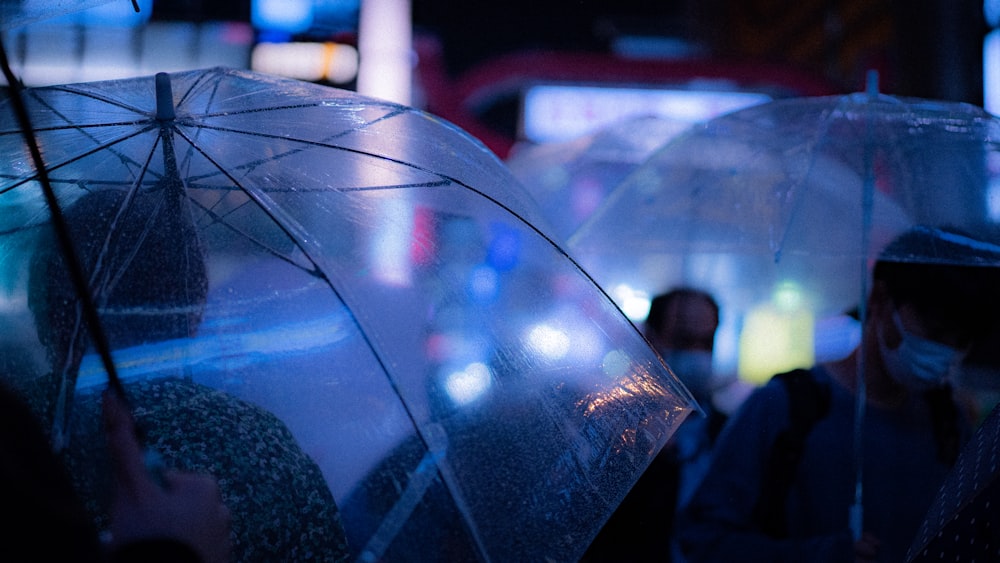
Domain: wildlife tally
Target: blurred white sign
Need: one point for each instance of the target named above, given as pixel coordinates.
(554, 112)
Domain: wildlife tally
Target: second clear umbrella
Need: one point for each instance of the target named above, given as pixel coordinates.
(788, 203)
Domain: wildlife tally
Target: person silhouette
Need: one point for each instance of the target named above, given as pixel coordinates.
(777, 492)
(681, 326)
(145, 264)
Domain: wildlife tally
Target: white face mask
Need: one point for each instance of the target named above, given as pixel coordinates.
(917, 363)
(694, 368)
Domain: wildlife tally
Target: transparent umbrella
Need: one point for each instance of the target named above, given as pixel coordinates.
(785, 205)
(16, 13)
(357, 273)
(571, 179)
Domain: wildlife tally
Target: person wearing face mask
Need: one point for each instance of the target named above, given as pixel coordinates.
(921, 320)
(681, 326)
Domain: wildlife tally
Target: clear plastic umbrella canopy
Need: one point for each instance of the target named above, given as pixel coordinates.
(786, 204)
(346, 284)
(571, 179)
(16, 13)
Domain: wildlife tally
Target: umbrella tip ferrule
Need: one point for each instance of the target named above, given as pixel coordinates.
(164, 97)
(871, 82)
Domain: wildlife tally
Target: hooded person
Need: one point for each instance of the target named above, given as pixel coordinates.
(145, 266)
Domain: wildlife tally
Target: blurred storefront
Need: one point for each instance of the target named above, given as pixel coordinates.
(507, 75)
(477, 64)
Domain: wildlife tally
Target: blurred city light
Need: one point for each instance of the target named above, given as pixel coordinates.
(549, 341)
(991, 10)
(616, 363)
(333, 62)
(385, 44)
(633, 302)
(466, 385)
(62, 53)
(290, 16)
(390, 251)
(557, 112)
(504, 252)
(484, 284)
(993, 189)
(835, 337)
(991, 72)
(777, 336)
(788, 296)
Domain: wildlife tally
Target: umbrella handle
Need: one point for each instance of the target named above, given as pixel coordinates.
(857, 509)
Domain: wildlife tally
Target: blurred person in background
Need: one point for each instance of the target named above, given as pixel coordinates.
(681, 326)
(782, 482)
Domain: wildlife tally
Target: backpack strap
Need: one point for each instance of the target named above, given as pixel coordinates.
(808, 402)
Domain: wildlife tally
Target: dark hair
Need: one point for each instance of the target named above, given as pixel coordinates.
(661, 304)
(944, 274)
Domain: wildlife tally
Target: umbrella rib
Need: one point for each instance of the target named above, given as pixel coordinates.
(395, 110)
(69, 125)
(428, 184)
(147, 123)
(220, 220)
(321, 274)
(810, 148)
(85, 305)
(320, 144)
(206, 76)
(105, 146)
(252, 197)
(201, 79)
(447, 178)
(95, 96)
(194, 85)
(227, 113)
(414, 185)
(102, 281)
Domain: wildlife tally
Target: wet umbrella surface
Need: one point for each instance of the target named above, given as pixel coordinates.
(307, 290)
(787, 204)
(17, 13)
(791, 200)
(571, 179)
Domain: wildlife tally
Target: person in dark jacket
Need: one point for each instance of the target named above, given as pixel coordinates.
(921, 320)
